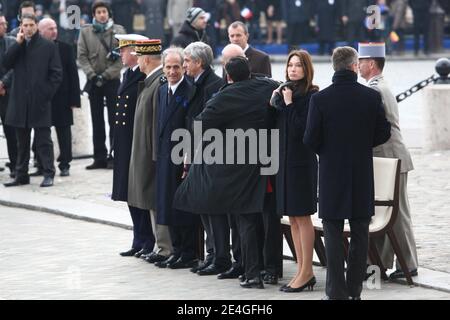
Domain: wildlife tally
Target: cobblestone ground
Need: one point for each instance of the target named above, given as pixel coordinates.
(43, 256)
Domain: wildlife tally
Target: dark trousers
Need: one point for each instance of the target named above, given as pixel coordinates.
(421, 27)
(271, 237)
(233, 223)
(183, 241)
(44, 150)
(355, 33)
(209, 243)
(338, 284)
(143, 237)
(96, 99)
(11, 143)
(248, 230)
(326, 47)
(64, 135)
(297, 33)
(221, 236)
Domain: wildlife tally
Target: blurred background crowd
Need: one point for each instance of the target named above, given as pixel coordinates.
(321, 23)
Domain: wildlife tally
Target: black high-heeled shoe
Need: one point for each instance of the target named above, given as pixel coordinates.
(309, 284)
(283, 287)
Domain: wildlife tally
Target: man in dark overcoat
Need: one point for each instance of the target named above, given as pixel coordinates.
(37, 76)
(5, 86)
(66, 97)
(230, 188)
(345, 121)
(174, 97)
(198, 58)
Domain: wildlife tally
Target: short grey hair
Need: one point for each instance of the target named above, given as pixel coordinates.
(200, 51)
(173, 50)
(238, 24)
(343, 58)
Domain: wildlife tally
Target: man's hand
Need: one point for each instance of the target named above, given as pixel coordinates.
(2, 92)
(20, 36)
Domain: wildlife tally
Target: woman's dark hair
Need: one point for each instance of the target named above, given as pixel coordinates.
(306, 84)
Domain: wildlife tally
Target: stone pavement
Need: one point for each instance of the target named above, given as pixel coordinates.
(86, 195)
(44, 256)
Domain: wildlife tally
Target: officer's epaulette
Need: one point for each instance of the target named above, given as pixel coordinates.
(162, 80)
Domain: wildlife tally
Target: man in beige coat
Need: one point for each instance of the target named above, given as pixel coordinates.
(142, 173)
(371, 64)
(102, 66)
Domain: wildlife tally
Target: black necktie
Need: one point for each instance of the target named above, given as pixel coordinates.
(170, 95)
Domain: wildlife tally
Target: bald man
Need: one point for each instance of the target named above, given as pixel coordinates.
(66, 98)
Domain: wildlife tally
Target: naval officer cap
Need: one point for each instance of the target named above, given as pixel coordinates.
(127, 40)
(371, 50)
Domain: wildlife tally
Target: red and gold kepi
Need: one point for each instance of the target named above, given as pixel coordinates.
(127, 40)
(148, 47)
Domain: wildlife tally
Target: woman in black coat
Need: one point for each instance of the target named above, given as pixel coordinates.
(296, 181)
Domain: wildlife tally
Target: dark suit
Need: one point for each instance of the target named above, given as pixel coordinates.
(171, 116)
(259, 61)
(37, 76)
(6, 78)
(345, 121)
(143, 237)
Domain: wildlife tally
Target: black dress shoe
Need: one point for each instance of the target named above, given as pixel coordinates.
(270, 278)
(211, 270)
(37, 173)
(65, 172)
(17, 182)
(182, 264)
(397, 274)
(232, 273)
(169, 260)
(97, 164)
(354, 298)
(2, 169)
(141, 252)
(129, 253)
(47, 182)
(155, 258)
(202, 265)
(256, 283)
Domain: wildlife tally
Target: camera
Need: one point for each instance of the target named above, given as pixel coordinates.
(113, 56)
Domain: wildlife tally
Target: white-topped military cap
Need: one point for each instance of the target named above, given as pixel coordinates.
(372, 50)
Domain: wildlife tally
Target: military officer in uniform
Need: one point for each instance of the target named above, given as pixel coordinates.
(142, 176)
(371, 65)
(143, 239)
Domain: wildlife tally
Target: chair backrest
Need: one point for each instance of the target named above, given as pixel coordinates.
(386, 174)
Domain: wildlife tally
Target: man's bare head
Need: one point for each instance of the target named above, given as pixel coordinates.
(48, 29)
(231, 51)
